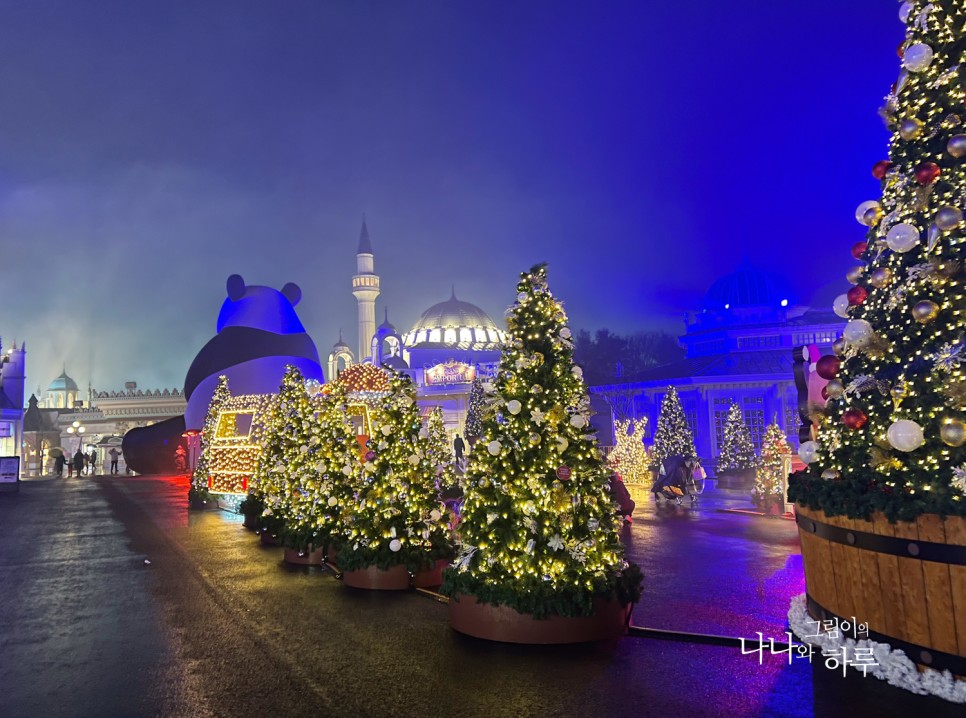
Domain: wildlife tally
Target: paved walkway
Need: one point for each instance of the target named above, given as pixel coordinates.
(216, 625)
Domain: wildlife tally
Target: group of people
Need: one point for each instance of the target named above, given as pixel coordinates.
(82, 463)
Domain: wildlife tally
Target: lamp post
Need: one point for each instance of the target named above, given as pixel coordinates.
(78, 429)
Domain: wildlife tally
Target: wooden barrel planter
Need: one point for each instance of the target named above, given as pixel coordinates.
(250, 522)
(906, 580)
(373, 578)
(505, 624)
(312, 557)
(431, 575)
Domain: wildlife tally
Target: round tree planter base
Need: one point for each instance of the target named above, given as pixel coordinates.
(312, 558)
(250, 522)
(269, 540)
(906, 580)
(430, 577)
(377, 579)
(502, 623)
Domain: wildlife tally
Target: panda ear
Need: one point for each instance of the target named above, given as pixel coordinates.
(292, 293)
(236, 287)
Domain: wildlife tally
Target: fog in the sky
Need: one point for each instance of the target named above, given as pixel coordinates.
(148, 150)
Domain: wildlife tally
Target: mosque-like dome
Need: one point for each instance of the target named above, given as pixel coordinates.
(63, 383)
(455, 323)
(746, 288)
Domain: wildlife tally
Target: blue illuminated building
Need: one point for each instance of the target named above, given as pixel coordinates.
(738, 348)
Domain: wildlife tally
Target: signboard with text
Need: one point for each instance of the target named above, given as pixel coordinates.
(9, 473)
(451, 372)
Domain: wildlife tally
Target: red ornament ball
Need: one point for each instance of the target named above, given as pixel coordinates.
(927, 173)
(857, 295)
(901, 50)
(858, 249)
(880, 168)
(828, 366)
(855, 419)
(825, 393)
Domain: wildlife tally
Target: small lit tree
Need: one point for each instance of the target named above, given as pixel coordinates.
(774, 450)
(737, 451)
(199, 479)
(629, 457)
(440, 449)
(396, 518)
(673, 436)
(476, 411)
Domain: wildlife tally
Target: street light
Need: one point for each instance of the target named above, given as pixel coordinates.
(79, 429)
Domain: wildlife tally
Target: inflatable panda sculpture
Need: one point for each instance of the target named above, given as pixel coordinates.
(258, 334)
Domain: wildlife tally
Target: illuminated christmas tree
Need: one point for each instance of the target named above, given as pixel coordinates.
(199, 479)
(737, 451)
(440, 449)
(673, 436)
(396, 518)
(893, 437)
(629, 458)
(774, 450)
(476, 411)
(539, 529)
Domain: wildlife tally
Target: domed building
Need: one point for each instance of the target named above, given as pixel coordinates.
(62, 393)
(450, 344)
(739, 347)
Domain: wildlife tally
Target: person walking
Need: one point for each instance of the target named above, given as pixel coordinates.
(93, 460)
(79, 463)
(114, 453)
(70, 466)
(59, 464)
(459, 446)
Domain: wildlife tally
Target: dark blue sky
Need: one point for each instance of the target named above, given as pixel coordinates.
(150, 149)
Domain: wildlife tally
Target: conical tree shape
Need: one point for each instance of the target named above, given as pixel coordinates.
(774, 449)
(673, 436)
(199, 479)
(629, 457)
(893, 435)
(539, 529)
(476, 410)
(440, 450)
(737, 451)
(397, 517)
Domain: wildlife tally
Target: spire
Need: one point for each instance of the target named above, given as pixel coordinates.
(364, 246)
(387, 314)
(452, 295)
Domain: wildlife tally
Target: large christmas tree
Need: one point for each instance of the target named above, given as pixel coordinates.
(894, 432)
(737, 451)
(673, 436)
(397, 517)
(199, 479)
(539, 529)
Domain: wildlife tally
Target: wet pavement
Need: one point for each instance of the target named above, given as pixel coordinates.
(216, 625)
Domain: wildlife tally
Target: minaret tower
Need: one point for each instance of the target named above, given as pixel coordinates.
(365, 287)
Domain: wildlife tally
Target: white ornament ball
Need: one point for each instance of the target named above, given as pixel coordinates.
(862, 209)
(435, 515)
(303, 449)
(904, 11)
(426, 534)
(905, 435)
(522, 297)
(332, 501)
(413, 459)
(577, 371)
(593, 524)
(562, 443)
(917, 57)
(808, 451)
(565, 333)
(494, 447)
(424, 433)
(514, 406)
(841, 306)
(577, 421)
(386, 430)
(347, 470)
(858, 332)
(902, 237)
(395, 545)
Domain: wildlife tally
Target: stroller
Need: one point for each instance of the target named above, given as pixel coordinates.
(679, 477)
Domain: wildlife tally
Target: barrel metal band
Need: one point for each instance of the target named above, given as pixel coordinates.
(938, 660)
(890, 545)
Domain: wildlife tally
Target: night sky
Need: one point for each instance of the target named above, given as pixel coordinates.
(150, 149)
